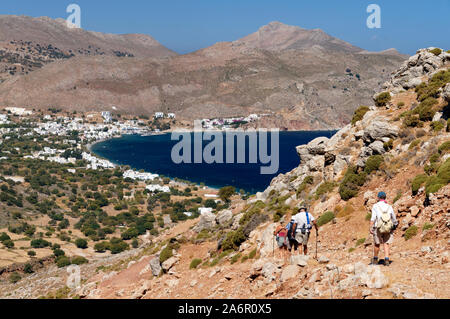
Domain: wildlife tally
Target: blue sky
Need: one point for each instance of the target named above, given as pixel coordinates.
(188, 25)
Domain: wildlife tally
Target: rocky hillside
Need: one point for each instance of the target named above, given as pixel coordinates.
(304, 79)
(27, 44)
(400, 145)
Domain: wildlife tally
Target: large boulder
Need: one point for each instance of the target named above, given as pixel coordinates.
(207, 221)
(155, 266)
(379, 129)
(377, 147)
(340, 164)
(317, 146)
(269, 270)
(169, 263)
(236, 220)
(267, 241)
(224, 217)
(446, 92)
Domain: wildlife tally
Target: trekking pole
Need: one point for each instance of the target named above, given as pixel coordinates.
(273, 246)
(316, 244)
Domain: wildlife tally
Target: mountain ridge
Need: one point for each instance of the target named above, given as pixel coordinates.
(226, 79)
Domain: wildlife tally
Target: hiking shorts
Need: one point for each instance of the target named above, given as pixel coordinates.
(292, 243)
(302, 239)
(380, 238)
(281, 241)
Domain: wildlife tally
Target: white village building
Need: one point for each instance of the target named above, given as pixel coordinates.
(158, 188)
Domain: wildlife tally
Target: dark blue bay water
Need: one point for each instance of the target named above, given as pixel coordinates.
(153, 154)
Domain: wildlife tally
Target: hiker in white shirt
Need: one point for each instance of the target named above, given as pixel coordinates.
(382, 225)
(305, 221)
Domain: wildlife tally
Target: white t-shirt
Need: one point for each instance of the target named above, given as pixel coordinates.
(301, 220)
(378, 208)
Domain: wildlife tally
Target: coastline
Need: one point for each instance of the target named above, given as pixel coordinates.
(89, 146)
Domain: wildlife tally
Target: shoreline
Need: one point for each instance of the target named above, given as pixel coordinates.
(172, 179)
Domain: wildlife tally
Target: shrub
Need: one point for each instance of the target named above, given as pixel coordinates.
(81, 243)
(101, 247)
(400, 104)
(195, 262)
(165, 254)
(253, 210)
(388, 145)
(427, 226)
(8, 243)
(414, 144)
(58, 252)
(325, 188)
(117, 246)
(442, 178)
(397, 197)
(382, 99)
(351, 182)
(130, 233)
(325, 218)
(252, 254)
(360, 242)
(437, 126)
(433, 184)
(359, 114)
(412, 121)
(410, 232)
(444, 147)
(417, 182)
(235, 258)
(31, 253)
(62, 261)
(244, 259)
(4, 236)
(79, 260)
(234, 239)
(373, 163)
(135, 243)
(308, 180)
(434, 158)
(14, 277)
(436, 51)
(347, 210)
(28, 269)
(39, 243)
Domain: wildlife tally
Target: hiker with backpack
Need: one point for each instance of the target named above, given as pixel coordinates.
(280, 234)
(304, 222)
(382, 225)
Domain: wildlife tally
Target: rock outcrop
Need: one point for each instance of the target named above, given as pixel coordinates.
(415, 70)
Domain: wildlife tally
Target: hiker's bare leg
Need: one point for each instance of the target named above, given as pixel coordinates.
(376, 250)
(305, 250)
(386, 250)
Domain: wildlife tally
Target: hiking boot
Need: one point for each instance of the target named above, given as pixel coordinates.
(374, 261)
(387, 262)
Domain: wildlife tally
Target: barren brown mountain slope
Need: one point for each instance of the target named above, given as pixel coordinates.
(27, 44)
(316, 85)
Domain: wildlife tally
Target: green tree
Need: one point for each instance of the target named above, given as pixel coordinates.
(81, 243)
(226, 192)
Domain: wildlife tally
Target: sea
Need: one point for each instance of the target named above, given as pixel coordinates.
(153, 154)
